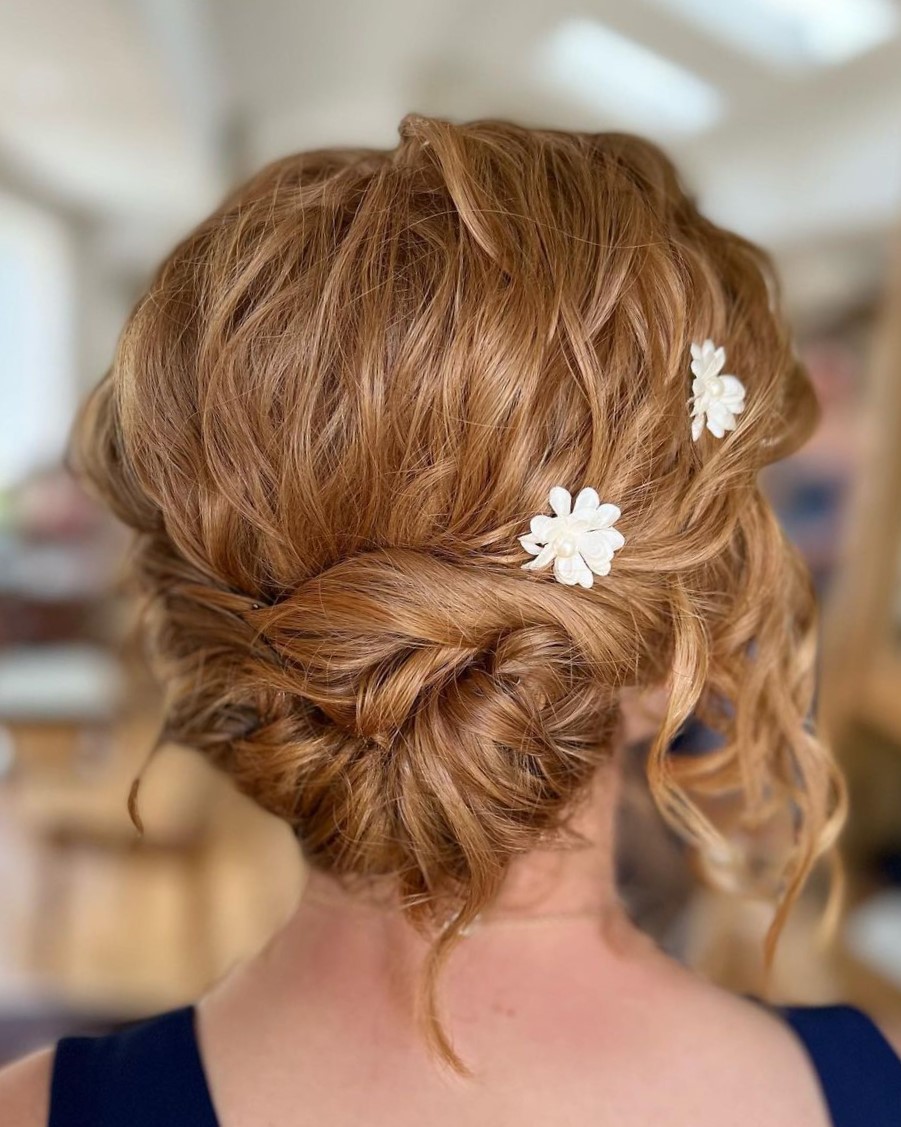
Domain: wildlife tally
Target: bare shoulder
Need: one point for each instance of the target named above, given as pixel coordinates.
(740, 1037)
(891, 1031)
(25, 1090)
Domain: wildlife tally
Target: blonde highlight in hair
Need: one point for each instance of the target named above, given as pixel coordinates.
(336, 408)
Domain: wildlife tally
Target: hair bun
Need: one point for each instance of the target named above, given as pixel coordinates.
(386, 639)
(407, 715)
(427, 699)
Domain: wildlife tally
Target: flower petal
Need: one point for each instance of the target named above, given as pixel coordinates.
(543, 558)
(697, 426)
(604, 517)
(598, 565)
(595, 543)
(584, 573)
(530, 544)
(732, 387)
(734, 403)
(560, 501)
(700, 369)
(566, 570)
(587, 499)
(541, 527)
(719, 413)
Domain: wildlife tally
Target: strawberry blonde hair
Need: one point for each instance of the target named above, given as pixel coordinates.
(331, 416)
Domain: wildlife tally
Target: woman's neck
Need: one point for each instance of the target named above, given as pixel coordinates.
(575, 876)
(564, 895)
(349, 964)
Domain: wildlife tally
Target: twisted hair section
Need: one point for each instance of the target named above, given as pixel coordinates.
(331, 416)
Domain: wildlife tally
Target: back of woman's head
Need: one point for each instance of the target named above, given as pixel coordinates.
(329, 420)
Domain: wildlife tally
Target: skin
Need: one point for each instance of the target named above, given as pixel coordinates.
(564, 1012)
(563, 1020)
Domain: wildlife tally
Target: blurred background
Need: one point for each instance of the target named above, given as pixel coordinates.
(122, 122)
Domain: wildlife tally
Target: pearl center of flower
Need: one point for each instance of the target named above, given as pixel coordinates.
(566, 546)
(715, 387)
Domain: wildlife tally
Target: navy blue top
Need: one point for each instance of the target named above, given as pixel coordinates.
(151, 1073)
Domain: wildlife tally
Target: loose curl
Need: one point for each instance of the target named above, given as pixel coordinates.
(328, 421)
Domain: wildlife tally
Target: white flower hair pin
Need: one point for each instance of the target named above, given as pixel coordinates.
(716, 398)
(580, 538)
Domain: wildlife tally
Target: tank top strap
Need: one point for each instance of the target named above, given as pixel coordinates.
(859, 1071)
(148, 1074)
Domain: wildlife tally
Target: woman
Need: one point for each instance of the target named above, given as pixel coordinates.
(442, 463)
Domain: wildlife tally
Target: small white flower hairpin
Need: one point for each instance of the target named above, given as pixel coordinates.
(716, 398)
(580, 538)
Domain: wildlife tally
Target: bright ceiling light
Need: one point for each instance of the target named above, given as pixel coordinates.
(794, 33)
(626, 82)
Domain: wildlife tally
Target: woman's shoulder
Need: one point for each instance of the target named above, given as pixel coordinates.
(25, 1089)
(828, 1063)
(854, 1061)
(119, 1060)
